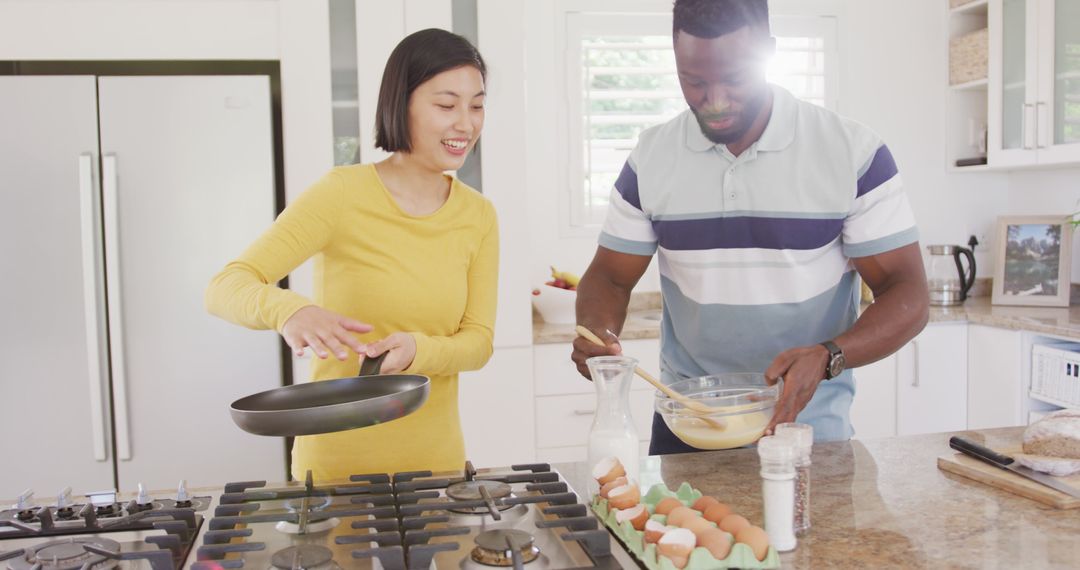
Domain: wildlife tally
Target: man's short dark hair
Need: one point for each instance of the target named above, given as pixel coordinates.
(419, 57)
(713, 18)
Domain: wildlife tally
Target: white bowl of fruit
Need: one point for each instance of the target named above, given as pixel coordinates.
(555, 299)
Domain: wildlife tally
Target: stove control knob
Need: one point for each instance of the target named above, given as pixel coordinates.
(143, 498)
(182, 497)
(23, 501)
(63, 499)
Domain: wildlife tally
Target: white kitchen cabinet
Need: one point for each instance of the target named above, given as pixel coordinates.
(873, 411)
(931, 381)
(994, 393)
(565, 401)
(1034, 83)
(496, 406)
(555, 374)
(113, 371)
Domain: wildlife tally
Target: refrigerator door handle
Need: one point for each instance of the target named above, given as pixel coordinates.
(116, 320)
(92, 299)
(1042, 125)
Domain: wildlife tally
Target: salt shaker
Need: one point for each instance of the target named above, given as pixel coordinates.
(778, 490)
(802, 437)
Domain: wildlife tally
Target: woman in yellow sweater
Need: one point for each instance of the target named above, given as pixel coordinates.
(406, 261)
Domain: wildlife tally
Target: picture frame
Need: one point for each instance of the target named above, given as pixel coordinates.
(1032, 256)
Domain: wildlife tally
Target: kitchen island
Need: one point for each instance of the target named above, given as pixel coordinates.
(884, 504)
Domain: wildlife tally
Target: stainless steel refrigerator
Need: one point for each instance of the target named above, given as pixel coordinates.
(120, 197)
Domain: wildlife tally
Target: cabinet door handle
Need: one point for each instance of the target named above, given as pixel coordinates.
(116, 317)
(584, 412)
(1029, 125)
(90, 223)
(915, 364)
(1042, 126)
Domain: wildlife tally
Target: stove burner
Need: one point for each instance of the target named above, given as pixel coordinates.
(107, 511)
(303, 556)
(65, 513)
(497, 547)
(315, 503)
(470, 490)
(312, 527)
(67, 554)
(26, 515)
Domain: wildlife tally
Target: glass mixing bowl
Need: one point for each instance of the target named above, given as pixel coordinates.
(743, 404)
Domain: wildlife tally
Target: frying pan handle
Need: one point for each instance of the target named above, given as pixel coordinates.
(371, 366)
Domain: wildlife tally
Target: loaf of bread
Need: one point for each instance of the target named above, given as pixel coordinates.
(1057, 466)
(1056, 435)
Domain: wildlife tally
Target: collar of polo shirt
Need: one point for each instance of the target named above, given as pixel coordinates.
(779, 133)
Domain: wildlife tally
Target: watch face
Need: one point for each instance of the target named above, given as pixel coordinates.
(836, 365)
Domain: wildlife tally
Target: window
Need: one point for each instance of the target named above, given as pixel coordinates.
(621, 80)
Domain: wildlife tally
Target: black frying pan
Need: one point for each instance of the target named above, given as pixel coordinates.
(332, 405)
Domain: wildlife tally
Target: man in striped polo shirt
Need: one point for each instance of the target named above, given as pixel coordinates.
(764, 212)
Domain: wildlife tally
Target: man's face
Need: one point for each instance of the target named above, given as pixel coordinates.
(723, 80)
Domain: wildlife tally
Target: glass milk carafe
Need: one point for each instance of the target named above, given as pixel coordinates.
(948, 282)
(612, 433)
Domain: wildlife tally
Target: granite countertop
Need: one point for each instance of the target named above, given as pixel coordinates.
(884, 504)
(642, 320)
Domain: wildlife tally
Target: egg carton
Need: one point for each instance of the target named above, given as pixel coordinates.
(741, 556)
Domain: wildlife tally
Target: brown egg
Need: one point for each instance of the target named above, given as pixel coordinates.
(697, 525)
(618, 482)
(637, 515)
(608, 469)
(654, 530)
(665, 506)
(705, 502)
(716, 541)
(625, 496)
(717, 512)
(676, 545)
(680, 514)
(733, 524)
(756, 539)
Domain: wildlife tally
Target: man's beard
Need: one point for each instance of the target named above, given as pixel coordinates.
(737, 130)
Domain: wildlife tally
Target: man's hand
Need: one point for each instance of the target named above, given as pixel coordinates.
(802, 369)
(585, 349)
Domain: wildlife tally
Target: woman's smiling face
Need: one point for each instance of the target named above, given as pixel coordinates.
(446, 115)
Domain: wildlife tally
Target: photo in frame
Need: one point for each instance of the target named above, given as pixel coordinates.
(1032, 256)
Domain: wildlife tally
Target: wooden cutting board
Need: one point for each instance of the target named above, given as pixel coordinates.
(982, 472)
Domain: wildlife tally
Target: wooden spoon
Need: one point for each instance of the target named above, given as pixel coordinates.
(690, 404)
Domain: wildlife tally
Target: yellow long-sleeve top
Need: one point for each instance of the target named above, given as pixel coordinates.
(433, 276)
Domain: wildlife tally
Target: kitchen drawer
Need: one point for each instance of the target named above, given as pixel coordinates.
(555, 374)
(574, 454)
(564, 421)
(562, 454)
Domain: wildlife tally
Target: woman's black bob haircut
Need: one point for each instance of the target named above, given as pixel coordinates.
(419, 57)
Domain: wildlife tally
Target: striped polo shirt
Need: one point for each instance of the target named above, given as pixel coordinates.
(755, 251)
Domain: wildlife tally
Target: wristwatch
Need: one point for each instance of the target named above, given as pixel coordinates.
(836, 360)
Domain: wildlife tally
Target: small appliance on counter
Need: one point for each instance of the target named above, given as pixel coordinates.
(949, 283)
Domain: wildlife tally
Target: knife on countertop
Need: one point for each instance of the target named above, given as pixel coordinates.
(1009, 464)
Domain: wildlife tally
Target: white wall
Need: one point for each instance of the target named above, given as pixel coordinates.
(1047, 192)
(896, 84)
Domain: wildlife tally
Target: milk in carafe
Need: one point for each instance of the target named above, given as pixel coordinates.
(612, 433)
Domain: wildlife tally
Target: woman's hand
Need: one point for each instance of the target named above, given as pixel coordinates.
(325, 332)
(402, 347)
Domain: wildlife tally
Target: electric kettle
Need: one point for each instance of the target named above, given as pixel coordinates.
(949, 283)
